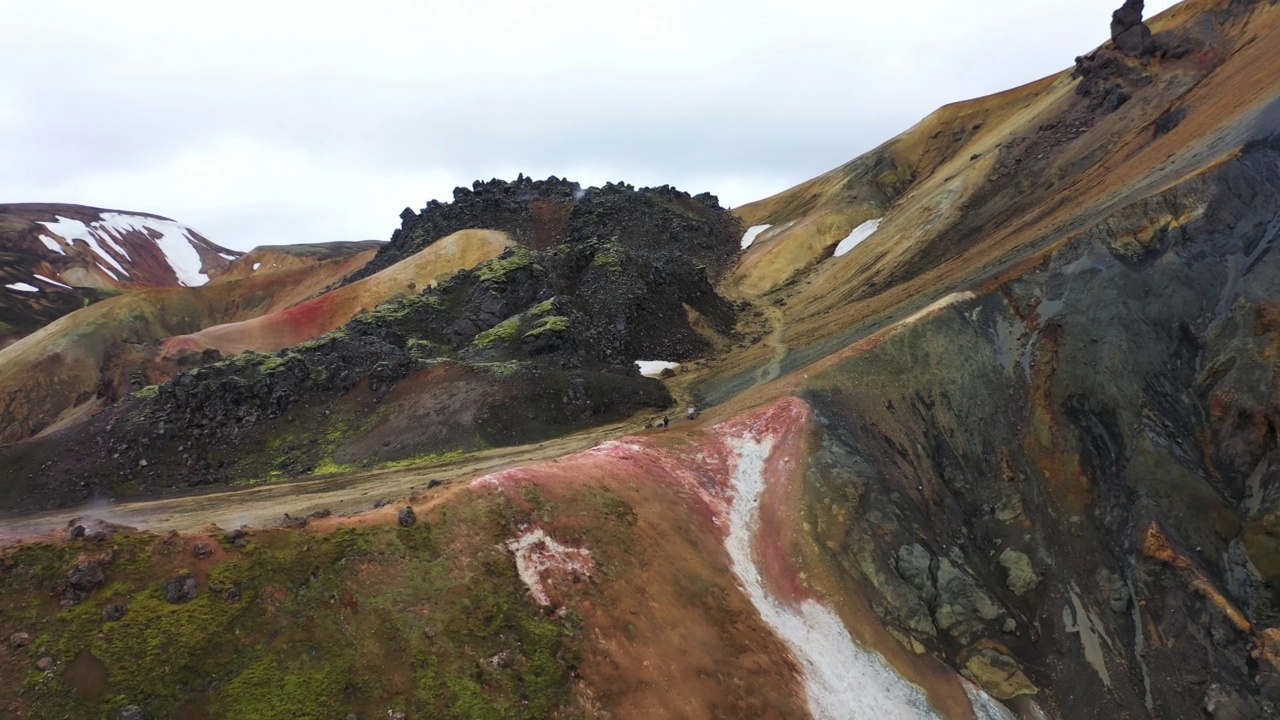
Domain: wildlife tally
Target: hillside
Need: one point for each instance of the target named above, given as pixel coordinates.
(985, 430)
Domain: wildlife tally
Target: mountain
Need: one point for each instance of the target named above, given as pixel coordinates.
(984, 428)
(58, 258)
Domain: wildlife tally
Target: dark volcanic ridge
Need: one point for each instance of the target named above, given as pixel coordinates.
(533, 344)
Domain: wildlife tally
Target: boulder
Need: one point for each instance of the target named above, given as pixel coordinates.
(1020, 577)
(114, 611)
(181, 588)
(132, 712)
(202, 550)
(407, 517)
(85, 577)
(998, 674)
(1130, 35)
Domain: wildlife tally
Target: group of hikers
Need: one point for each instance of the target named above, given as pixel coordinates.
(691, 413)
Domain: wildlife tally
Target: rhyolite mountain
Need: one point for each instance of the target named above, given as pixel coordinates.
(988, 430)
(59, 258)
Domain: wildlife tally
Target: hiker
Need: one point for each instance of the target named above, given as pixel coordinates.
(665, 421)
(693, 413)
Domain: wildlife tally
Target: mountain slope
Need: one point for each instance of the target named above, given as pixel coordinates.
(987, 431)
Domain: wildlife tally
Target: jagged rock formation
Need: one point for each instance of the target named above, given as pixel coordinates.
(1130, 35)
(555, 333)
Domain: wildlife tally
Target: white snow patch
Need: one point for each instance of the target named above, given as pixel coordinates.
(51, 281)
(52, 244)
(752, 233)
(843, 681)
(175, 242)
(225, 256)
(105, 270)
(539, 558)
(857, 235)
(23, 287)
(71, 230)
(653, 368)
(256, 266)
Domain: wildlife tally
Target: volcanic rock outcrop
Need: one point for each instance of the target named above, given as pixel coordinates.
(529, 345)
(1130, 35)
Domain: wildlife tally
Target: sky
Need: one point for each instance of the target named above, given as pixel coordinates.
(272, 122)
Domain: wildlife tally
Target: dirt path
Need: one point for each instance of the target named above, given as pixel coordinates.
(773, 314)
(265, 505)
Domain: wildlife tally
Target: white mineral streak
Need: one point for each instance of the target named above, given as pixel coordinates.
(539, 558)
(842, 680)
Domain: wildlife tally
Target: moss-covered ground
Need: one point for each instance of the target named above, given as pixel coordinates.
(431, 620)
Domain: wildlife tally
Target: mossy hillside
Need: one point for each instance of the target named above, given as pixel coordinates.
(432, 620)
(513, 259)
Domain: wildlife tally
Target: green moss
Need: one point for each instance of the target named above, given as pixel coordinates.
(304, 689)
(402, 308)
(551, 323)
(149, 391)
(500, 369)
(328, 467)
(427, 459)
(504, 331)
(609, 257)
(543, 308)
(432, 620)
(497, 269)
(425, 349)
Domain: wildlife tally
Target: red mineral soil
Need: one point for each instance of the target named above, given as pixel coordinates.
(712, 503)
(67, 369)
(315, 317)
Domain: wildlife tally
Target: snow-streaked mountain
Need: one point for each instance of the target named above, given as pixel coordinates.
(92, 247)
(58, 258)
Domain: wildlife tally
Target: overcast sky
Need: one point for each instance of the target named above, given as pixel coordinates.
(270, 122)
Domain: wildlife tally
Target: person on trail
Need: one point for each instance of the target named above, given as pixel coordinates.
(665, 421)
(693, 413)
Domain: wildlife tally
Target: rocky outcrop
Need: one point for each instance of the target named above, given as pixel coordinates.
(541, 214)
(1130, 35)
(554, 332)
(1085, 451)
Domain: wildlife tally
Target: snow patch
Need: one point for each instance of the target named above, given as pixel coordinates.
(71, 230)
(174, 240)
(23, 287)
(105, 270)
(843, 681)
(52, 244)
(857, 235)
(256, 266)
(986, 707)
(654, 368)
(52, 281)
(540, 560)
(752, 233)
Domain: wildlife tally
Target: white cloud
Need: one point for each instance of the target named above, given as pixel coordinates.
(281, 122)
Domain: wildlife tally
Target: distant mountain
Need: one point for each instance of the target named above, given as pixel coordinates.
(58, 258)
